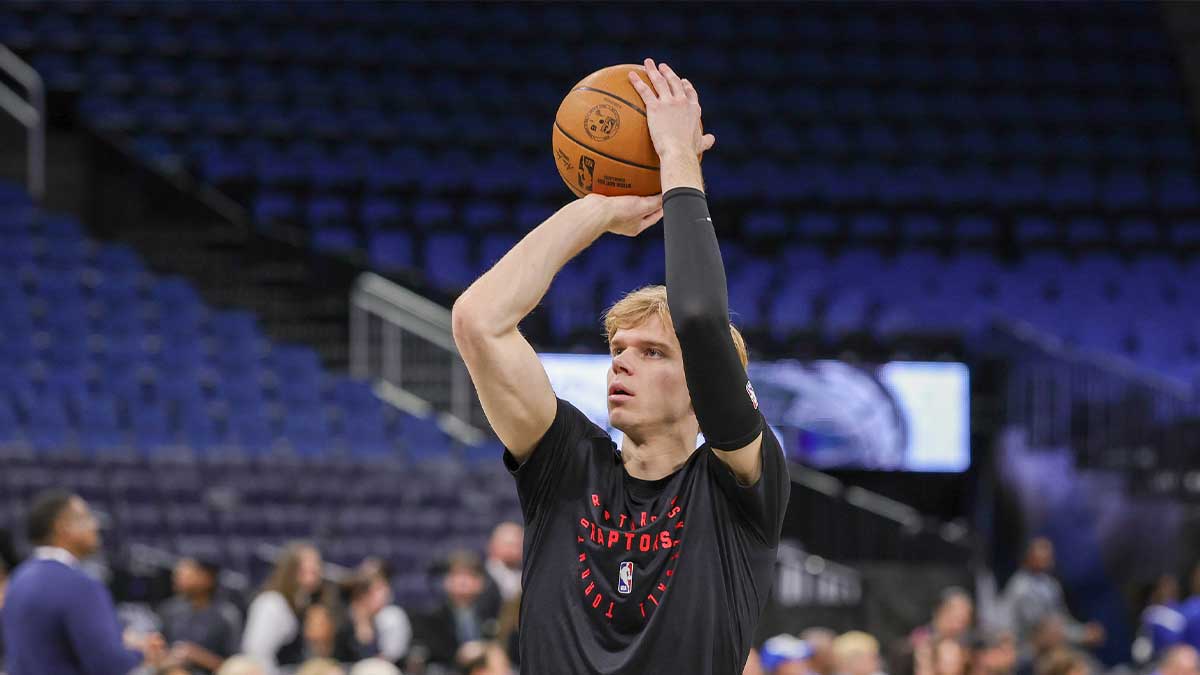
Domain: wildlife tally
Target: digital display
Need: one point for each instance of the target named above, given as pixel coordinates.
(898, 416)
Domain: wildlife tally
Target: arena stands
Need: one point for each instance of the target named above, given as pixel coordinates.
(954, 155)
(885, 179)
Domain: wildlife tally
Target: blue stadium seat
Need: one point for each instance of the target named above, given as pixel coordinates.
(1034, 230)
(390, 250)
(99, 431)
(1138, 232)
(484, 216)
(765, 224)
(380, 214)
(1087, 232)
(447, 261)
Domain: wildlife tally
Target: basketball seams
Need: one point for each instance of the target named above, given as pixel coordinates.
(600, 152)
(610, 95)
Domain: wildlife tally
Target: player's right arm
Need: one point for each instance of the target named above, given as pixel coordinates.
(512, 385)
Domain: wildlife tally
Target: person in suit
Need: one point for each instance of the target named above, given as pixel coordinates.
(58, 620)
(460, 618)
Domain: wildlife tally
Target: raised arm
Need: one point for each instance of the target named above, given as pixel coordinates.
(512, 385)
(696, 289)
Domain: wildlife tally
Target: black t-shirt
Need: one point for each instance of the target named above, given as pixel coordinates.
(634, 577)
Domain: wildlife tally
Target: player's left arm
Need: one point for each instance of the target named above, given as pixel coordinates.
(696, 287)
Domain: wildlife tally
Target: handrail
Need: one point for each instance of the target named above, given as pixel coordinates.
(405, 344)
(30, 114)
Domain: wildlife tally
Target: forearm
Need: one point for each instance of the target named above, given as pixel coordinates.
(699, 303)
(508, 292)
(205, 659)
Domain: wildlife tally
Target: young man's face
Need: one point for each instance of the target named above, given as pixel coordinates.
(647, 365)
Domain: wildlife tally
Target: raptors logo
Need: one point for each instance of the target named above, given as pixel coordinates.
(587, 171)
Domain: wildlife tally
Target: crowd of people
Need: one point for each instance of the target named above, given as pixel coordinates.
(1030, 631)
(56, 617)
(302, 621)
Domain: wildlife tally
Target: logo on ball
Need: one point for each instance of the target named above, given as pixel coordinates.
(625, 578)
(587, 171)
(601, 122)
(563, 158)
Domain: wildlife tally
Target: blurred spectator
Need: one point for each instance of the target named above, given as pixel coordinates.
(358, 636)
(56, 618)
(753, 664)
(952, 618)
(1033, 593)
(1063, 661)
(856, 653)
(994, 653)
(459, 619)
(202, 629)
(1179, 660)
(1049, 638)
(392, 626)
(374, 667)
(785, 655)
(820, 642)
(273, 633)
(483, 658)
(508, 628)
(320, 632)
(320, 667)
(1163, 622)
(1190, 609)
(503, 565)
(944, 655)
(241, 665)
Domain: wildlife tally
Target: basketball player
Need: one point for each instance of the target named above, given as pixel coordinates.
(658, 557)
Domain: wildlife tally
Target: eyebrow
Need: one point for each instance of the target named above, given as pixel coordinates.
(654, 344)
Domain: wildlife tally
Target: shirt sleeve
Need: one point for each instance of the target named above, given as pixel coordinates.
(270, 624)
(94, 634)
(763, 505)
(233, 630)
(395, 632)
(557, 461)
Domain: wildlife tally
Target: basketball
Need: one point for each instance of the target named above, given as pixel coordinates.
(600, 139)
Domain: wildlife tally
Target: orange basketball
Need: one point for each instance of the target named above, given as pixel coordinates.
(600, 138)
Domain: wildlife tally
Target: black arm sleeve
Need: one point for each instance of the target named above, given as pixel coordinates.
(699, 303)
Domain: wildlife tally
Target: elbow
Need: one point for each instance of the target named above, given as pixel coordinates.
(467, 323)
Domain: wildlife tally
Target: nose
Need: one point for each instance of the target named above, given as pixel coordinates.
(620, 365)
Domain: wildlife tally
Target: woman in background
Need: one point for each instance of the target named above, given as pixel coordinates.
(273, 634)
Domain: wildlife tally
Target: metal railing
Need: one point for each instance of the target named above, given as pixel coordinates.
(804, 579)
(30, 112)
(403, 342)
(1111, 412)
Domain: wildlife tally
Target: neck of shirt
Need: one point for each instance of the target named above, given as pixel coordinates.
(62, 555)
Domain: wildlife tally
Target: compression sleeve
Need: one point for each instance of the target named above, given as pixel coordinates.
(699, 304)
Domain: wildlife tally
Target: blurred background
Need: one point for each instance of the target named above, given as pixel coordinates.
(962, 240)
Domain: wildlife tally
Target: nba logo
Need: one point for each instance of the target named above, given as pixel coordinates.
(750, 393)
(625, 578)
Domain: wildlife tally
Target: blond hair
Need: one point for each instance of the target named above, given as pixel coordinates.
(241, 665)
(320, 667)
(855, 643)
(638, 306)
